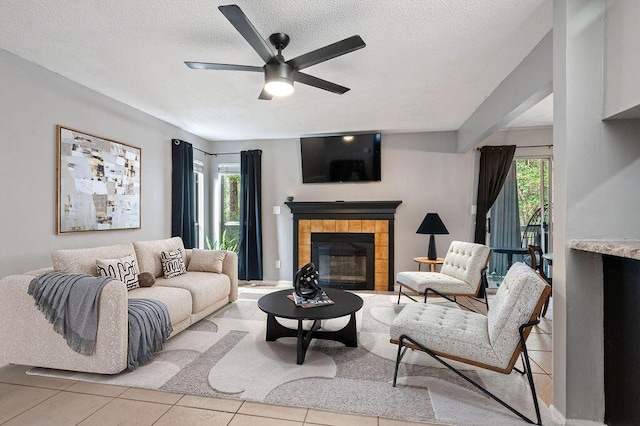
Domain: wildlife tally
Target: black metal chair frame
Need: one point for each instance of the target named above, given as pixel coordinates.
(481, 296)
(402, 349)
(538, 266)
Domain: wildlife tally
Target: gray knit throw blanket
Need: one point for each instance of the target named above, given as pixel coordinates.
(149, 327)
(70, 303)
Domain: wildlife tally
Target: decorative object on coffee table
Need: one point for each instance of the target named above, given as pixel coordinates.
(98, 183)
(306, 282)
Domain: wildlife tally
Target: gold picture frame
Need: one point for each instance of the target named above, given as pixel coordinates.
(99, 183)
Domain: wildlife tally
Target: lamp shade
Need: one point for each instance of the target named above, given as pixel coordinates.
(432, 224)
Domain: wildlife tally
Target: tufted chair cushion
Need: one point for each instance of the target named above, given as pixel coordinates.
(513, 304)
(465, 261)
(460, 274)
(419, 281)
(446, 330)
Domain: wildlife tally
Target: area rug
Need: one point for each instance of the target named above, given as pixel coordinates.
(226, 355)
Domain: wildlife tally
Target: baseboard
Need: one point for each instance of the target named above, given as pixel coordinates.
(265, 283)
(557, 415)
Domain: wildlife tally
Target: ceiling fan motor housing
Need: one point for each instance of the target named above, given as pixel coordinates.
(278, 71)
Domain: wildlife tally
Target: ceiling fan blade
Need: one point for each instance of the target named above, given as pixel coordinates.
(331, 51)
(310, 80)
(238, 19)
(265, 96)
(227, 67)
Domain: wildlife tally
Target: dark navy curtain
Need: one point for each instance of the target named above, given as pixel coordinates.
(250, 246)
(495, 162)
(183, 220)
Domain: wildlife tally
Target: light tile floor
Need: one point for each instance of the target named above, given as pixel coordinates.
(36, 400)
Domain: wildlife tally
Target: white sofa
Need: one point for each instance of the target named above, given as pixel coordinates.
(27, 338)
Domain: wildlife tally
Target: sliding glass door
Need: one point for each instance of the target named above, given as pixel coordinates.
(522, 214)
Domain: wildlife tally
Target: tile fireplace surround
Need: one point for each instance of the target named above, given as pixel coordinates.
(374, 217)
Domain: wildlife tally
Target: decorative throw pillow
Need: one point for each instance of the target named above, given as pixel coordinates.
(146, 279)
(206, 261)
(173, 263)
(124, 269)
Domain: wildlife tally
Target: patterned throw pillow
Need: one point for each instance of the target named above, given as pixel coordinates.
(124, 269)
(173, 263)
(206, 261)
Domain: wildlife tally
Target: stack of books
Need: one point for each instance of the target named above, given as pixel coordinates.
(320, 300)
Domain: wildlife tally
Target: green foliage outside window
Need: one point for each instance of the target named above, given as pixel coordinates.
(528, 172)
(230, 229)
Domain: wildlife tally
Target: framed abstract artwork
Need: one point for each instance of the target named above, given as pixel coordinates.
(98, 183)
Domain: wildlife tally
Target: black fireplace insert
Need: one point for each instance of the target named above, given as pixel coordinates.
(344, 260)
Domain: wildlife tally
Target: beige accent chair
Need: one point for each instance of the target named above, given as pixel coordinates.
(461, 274)
(493, 342)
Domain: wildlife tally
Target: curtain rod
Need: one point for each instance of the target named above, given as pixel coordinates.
(216, 153)
(523, 146)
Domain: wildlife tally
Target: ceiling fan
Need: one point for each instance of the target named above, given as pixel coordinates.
(280, 74)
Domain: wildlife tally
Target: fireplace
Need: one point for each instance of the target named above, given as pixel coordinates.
(342, 264)
(344, 260)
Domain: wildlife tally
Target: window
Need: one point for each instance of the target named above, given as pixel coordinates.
(230, 206)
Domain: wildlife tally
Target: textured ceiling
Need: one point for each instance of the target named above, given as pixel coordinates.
(427, 66)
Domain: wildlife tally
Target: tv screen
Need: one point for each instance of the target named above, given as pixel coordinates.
(341, 158)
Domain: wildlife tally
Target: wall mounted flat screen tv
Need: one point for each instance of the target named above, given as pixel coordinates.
(341, 158)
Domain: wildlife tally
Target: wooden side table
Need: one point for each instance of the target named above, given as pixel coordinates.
(432, 263)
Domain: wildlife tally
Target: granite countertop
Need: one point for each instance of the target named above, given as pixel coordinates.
(621, 248)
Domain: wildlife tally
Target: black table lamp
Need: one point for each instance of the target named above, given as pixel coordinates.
(432, 224)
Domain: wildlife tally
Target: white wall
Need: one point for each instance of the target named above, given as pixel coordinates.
(597, 175)
(32, 102)
(414, 170)
(622, 35)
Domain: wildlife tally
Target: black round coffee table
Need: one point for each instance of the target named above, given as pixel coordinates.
(277, 305)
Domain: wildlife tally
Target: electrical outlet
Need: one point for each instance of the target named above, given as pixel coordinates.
(277, 264)
(276, 209)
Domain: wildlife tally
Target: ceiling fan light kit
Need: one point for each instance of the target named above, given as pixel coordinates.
(279, 74)
(278, 78)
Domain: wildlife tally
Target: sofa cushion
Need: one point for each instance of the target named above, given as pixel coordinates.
(177, 300)
(206, 288)
(83, 261)
(123, 269)
(206, 261)
(148, 253)
(173, 263)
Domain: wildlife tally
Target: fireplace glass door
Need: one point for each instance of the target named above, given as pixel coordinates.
(344, 260)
